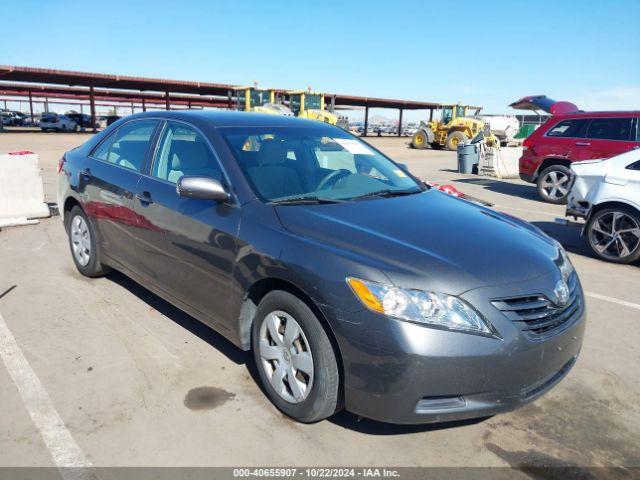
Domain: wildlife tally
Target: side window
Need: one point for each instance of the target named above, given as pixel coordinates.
(101, 152)
(127, 147)
(610, 128)
(184, 151)
(573, 128)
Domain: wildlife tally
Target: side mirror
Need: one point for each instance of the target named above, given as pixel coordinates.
(404, 166)
(205, 188)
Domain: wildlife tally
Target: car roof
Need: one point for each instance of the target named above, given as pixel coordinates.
(226, 118)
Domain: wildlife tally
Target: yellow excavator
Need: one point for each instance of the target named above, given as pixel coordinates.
(454, 127)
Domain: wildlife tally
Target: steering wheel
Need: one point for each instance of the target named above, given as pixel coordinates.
(333, 177)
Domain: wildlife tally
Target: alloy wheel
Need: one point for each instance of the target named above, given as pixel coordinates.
(555, 184)
(286, 356)
(80, 240)
(615, 235)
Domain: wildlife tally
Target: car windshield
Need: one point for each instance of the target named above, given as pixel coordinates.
(306, 164)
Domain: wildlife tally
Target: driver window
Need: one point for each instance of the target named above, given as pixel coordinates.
(184, 151)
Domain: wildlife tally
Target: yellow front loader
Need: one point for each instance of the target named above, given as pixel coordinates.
(454, 127)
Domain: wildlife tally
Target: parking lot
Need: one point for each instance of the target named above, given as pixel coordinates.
(137, 382)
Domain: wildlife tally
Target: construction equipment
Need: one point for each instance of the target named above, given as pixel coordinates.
(306, 104)
(253, 99)
(454, 127)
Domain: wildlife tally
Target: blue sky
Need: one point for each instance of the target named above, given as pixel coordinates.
(488, 52)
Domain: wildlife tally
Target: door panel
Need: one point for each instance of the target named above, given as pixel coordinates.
(110, 182)
(607, 137)
(187, 246)
(562, 140)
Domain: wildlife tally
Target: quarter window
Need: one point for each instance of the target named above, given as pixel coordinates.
(102, 151)
(184, 151)
(573, 128)
(610, 128)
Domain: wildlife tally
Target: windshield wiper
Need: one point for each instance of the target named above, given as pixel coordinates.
(387, 192)
(311, 200)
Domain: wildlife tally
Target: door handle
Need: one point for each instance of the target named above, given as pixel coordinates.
(583, 144)
(144, 197)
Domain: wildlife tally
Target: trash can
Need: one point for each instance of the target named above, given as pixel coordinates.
(468, 156)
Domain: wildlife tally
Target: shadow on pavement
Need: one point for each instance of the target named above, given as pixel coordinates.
(507, 188)
(343, 419)
(183, 319)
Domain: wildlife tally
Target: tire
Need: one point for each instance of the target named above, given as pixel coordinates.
(422, 138)
(557, 176)
(621, 248)
(320, 397)
(454, 138)
(419, 140)
(79, 228)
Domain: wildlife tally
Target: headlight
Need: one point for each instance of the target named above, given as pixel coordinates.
(426, 308)
(566, 268)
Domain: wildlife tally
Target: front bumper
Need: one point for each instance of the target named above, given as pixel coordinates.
(400, 372)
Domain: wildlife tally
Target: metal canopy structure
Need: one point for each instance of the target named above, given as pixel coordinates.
(140, 90)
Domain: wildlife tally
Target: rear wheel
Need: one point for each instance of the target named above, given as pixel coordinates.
(295, 359)
(614, 234)
(82, 241)
(554, 183)
(454, 139)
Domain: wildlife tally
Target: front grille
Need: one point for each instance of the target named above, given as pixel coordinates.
(538, 316)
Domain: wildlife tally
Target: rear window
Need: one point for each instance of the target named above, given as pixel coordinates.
(127, 146)
(610, 128)
(572, 128)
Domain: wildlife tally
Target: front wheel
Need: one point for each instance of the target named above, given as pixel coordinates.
(554, 183)
(295, 359)
(614, 234)
(454, 139)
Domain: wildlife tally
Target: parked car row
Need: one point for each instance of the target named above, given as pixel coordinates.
(12, 118)
(69, 121)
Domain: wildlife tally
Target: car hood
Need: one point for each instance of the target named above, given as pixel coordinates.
(429, 240)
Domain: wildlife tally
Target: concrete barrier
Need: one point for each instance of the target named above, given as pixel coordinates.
(21, 190)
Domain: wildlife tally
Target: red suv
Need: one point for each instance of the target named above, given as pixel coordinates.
(570, 137)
